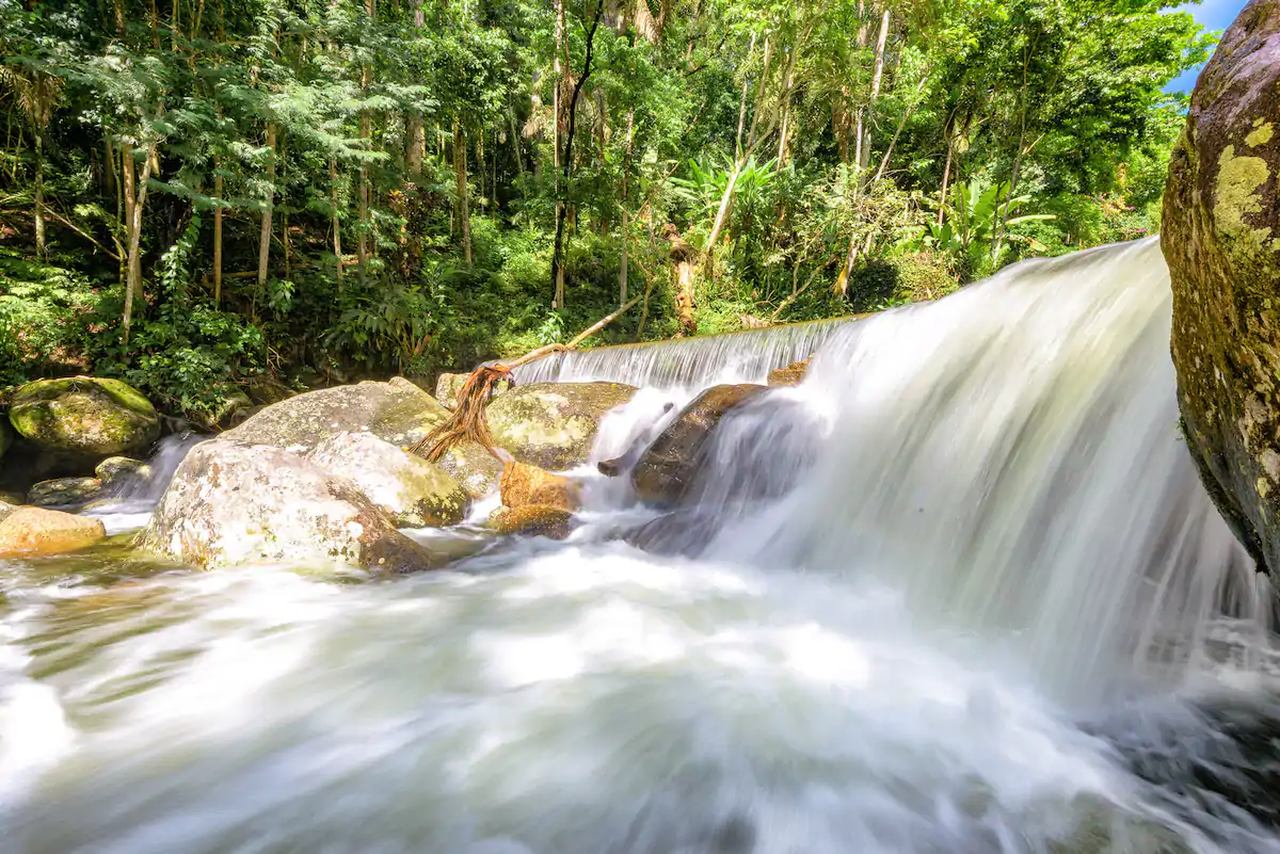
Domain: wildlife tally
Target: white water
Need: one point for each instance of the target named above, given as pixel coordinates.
(984, 606)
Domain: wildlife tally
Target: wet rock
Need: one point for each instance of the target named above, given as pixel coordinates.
(533, 520)
(90, 417)
(29, 531)
(235, 503)
(1221, 238)
(64, 492)
(414, 492)
(6, 507)
(114, 471)
(792, 375)
(6, 435)
(552, 425)
(475, 468)
(681, 533)
(670, 465)
(448, 385)
(524, 485)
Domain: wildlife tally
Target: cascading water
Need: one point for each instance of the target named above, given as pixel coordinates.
(960, 591)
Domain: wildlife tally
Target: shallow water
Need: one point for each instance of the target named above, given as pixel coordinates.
(1065, 654)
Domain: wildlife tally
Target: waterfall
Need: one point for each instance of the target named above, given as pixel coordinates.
(745, 356)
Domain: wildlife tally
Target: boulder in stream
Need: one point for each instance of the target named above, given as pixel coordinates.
(32, 531)
(64, 492)
(671, 463)
(235, 503)
(533, 520)
(791, 375)
(448, 385)
(114, 471)
(414, 492)
(524, 485)
(553, 425)
(396, 411)
(89, 417)
(1221, 239)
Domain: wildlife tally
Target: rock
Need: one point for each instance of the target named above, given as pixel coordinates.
(232, 503)
(793, 374)
(6, 435)
(552, 425)
(85, 416)
(28, 531)
(265, 390)
(64, 492)
(447, 386)
(1221, 239)
(533, 520)
(412, 491)
(475, 468)
(523, 485)
(115, 470)
(6, 507)
(680, 533)
(669, 466)
(396, 411)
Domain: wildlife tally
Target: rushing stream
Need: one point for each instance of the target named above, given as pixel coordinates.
(959, 592)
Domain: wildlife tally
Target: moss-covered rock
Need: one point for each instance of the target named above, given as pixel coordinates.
(30, 531)
(670, 465)
(553, 425)
(414, 492)
(792, 374)
(234, 503)
(64, 492)
(1221, 238)
(533, 520)
(89, 416)
(396, 411)
(114, 471)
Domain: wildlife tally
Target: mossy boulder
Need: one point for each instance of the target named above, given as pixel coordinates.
(31, 531)
(64, 492)
(233, 503)
(115, 471)
(85, 416)
(1221, 238)
(414, 492)
(396, 411)
(553, 425)
(670, 465)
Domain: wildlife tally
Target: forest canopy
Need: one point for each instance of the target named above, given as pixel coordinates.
(195, 193)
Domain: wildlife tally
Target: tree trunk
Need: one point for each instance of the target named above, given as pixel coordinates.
(336, 220)
(415, 150)
(39, 195)
(268, 206)
(742, 101)
(946, 174)
(133, 275)
(217, 234)
(460, 188)
(877, 75)
(684, 262)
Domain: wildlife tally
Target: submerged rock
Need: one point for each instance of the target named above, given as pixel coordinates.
(793, 374)
(524, 485)
(84, 416)
(671, 463)
(64, 492)
(534, 520)
(1221, 238)
(235, 503)
(553, 425)
(30, 531)
(414, 492)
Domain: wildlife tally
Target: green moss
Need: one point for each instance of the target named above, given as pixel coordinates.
(86, 414)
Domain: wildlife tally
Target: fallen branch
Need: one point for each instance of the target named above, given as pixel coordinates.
(468, 419)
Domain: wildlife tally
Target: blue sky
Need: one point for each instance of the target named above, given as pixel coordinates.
(1213, 15)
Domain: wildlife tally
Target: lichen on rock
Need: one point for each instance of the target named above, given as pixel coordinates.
(553, 425)
(1221, 239)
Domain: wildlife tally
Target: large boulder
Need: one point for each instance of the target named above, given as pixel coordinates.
(414, 492)
(84, 416)
(30, 531)
(448, 385)
(1221, 238)
(396, 411)
(234, 503)
(553, 425)
(669, 466)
